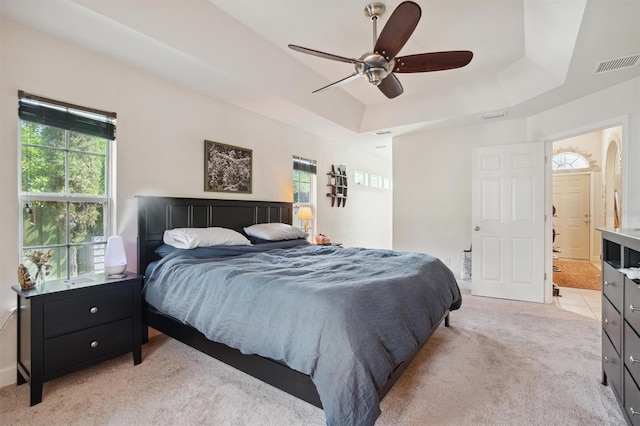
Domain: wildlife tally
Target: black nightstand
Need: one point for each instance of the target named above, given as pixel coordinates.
(67, 325)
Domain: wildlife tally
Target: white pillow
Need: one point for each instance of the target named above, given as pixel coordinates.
(188, 238)
(275, 231)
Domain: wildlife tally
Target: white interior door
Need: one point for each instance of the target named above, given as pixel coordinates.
(572, 219)
(508, 219)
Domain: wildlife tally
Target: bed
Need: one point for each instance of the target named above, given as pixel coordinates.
(297, 333)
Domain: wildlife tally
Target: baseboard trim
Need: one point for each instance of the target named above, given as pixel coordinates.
(464, 284)
(7, 376)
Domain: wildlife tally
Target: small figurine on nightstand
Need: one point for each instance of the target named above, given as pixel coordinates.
(322, 240)
(24, 278)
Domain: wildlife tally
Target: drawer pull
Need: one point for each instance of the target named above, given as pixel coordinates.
(94, 344)
(606, 321)
(606, 283)
(94, 310)
(633, 308)
(633, 413)
(633, 360)
(606, 359)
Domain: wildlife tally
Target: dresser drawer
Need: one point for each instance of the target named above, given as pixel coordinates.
(632, 303)
(631, 399)
(611, 366)
(612, 282)
(77, 313)
(86, 345)
(611, 323)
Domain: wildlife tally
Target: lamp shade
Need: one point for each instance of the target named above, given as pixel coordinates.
(115, 258)
(305, 213)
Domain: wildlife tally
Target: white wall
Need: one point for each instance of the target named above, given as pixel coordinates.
(432, 194)
(432, 187)
(367, 219)
(432, 169)
(161, 128)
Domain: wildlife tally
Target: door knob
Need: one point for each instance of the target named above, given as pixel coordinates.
(477, 228)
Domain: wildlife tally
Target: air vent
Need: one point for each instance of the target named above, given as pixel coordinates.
(384, 132)
(617, 64)
(491, 115)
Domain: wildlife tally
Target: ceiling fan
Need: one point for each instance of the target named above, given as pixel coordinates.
(379, 67)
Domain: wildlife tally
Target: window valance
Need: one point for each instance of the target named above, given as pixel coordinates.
(66, 116)
(304, 165)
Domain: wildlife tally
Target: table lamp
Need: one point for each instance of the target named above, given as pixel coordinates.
(305, 214)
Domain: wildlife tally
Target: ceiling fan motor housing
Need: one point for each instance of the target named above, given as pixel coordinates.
(375, 67)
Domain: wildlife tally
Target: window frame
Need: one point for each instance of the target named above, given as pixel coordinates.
(363, 175)
(375, 181)
(312, 194)
(578, 157)
(26, 198)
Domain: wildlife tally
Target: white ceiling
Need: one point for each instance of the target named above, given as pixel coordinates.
(529, 55)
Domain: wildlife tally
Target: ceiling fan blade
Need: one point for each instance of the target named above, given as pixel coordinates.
(391, 86)
(436, 61)
(324, 55)
(398, 29)
(338, 83)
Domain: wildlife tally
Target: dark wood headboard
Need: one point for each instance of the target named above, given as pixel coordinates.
(157, 214)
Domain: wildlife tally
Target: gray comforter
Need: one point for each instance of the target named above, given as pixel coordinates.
(344, 316)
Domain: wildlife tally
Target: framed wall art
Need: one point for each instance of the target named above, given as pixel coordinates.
(227, 168)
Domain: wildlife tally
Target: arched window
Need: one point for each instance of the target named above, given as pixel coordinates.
(569, 161)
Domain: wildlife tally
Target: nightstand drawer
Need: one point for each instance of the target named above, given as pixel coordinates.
(77, 313)
(75, 348)
(611, 323)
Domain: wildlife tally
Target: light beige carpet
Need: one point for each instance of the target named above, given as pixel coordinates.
(500, 363)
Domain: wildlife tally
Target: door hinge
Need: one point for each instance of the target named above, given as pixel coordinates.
(545, 276)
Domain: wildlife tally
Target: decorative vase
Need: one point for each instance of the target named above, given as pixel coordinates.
(39, 277)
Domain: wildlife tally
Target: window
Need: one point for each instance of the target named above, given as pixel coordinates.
(64, 187)
(304, 179)
(376, 181)
(359, 178)
(569, 160)
(386, 183)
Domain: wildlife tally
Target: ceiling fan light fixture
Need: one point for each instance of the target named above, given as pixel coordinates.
(375, 67)
(376, 75)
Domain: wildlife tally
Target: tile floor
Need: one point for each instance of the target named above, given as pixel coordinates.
(581, 301)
